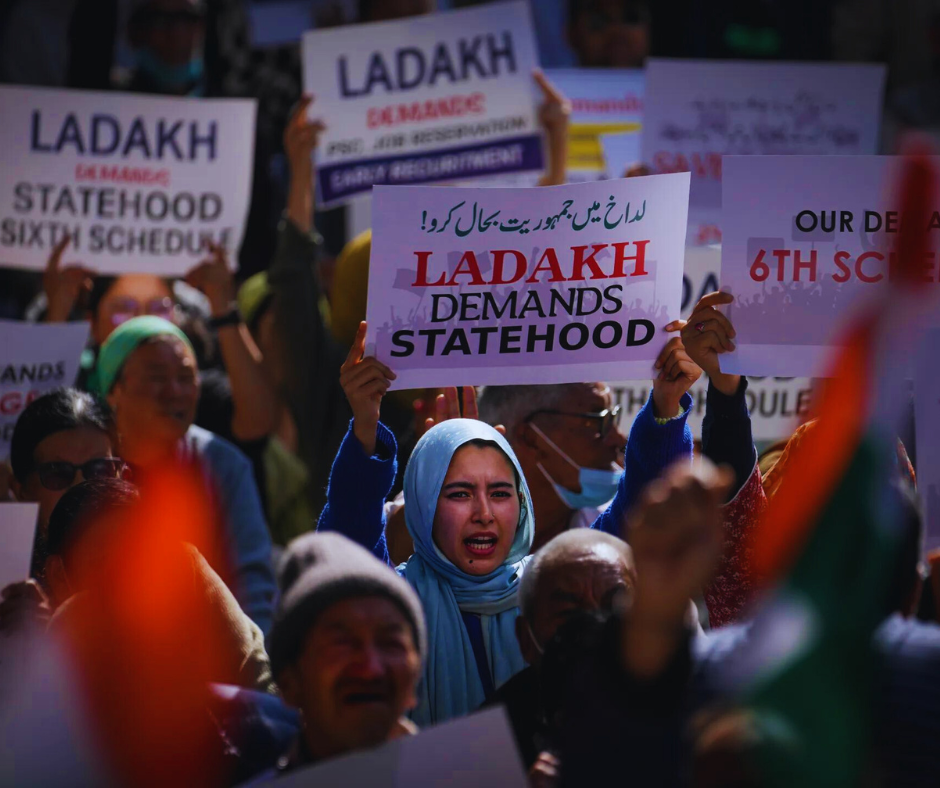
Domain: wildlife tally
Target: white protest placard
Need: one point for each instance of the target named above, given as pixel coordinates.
(441, 97)
(697, 111)
(469, 752)
(777, 405)
(139, 183)
(35, 358)
(604, 101)
(807, 240)
(17, 531)
(545, 285)
(927, 425)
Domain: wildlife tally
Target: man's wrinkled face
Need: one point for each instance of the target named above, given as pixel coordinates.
(356, 675)
(592, 579)
(578, 430)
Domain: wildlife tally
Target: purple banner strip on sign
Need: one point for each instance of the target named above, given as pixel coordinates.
(518, 154)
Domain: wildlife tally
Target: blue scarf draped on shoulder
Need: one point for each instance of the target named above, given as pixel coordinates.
(451, 684)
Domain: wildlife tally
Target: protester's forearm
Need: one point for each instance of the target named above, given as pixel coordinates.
(359, 485)
(300, 204)
(726, 431)
(650, 450)
(255, 402)
(557, 171)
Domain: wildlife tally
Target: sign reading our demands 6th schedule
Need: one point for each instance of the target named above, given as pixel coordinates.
(539, 285)
(442, 97)
(807, 239)
(139, 183)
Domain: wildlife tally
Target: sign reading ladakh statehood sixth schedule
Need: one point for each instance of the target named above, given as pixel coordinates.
(139, 183)
(698, 111)
(540, 285)
(807, 239)
(441, 97)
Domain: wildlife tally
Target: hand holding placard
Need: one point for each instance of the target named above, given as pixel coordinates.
(707, 334)
(365, 381)
(63, 286)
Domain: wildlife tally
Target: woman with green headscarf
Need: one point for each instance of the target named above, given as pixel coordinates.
(147, 373)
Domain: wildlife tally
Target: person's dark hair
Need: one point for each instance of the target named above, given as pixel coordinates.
(59, 410)
(82, 506)
(637, 11)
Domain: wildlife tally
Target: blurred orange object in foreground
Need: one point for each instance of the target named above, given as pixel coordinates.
(143, 642)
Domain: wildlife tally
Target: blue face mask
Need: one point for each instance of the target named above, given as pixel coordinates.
(597, 486)
(171, 78)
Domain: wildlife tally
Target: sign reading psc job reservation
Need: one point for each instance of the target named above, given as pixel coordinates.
(443, 97)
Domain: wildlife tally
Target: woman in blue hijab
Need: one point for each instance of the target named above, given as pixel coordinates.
(470, 516)
(469, 513)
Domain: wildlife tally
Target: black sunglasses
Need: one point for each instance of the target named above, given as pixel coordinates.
(606, 419)
(60, 475)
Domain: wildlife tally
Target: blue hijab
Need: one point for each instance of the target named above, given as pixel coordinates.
(451, 684)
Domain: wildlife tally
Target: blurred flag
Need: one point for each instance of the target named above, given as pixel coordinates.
(829, 539)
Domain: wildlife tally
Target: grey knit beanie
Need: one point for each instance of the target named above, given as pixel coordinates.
(317, 571)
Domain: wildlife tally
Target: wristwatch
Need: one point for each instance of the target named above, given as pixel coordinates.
(231, 318)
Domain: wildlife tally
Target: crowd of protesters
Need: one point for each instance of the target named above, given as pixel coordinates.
(328, 565)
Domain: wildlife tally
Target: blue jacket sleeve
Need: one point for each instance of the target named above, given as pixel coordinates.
(359, 485)
(726, 433)
(256, 588)
(651, 448)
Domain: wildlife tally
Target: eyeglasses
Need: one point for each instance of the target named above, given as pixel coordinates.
(60, 475)
(124, 309)
(602, 422)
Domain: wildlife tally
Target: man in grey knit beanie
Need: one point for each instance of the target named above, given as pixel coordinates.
(346, 647)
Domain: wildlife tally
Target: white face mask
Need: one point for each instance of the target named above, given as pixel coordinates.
(597, 486)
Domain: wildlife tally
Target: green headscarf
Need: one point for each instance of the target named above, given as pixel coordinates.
(124, 340)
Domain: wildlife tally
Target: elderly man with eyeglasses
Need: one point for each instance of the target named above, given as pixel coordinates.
(572, 451)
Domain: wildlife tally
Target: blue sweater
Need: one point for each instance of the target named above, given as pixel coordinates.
(359, 485)
(231, 477)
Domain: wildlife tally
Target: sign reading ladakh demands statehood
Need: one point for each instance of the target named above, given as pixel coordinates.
(139, 183)
(927, 423)
(34, 359)
(603, 101)
(698, 111)
(541, 285)
(442, 97)
(807, 240)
